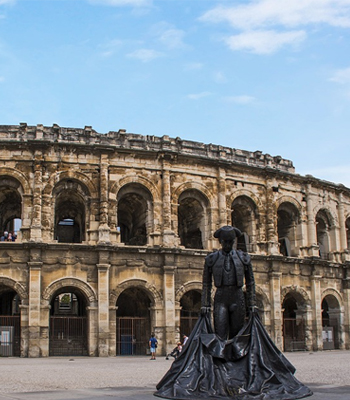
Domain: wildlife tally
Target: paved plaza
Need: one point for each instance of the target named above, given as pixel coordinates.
(134, 378)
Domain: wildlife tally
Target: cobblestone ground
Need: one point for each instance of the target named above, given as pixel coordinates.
(62, 373)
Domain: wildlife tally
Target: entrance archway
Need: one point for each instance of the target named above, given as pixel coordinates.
(293, 322)
(10, 322)
(68, 323)
(190, 307)
(330, 323)
(133, 322)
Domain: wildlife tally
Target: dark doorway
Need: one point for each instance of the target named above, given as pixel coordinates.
(293, 326)
(133, 322)
(68, 324)
(10, 323)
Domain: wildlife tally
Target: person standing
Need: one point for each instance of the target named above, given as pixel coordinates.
(153, 346)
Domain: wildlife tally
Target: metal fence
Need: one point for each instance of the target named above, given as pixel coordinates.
(133, 335)
(10, 332)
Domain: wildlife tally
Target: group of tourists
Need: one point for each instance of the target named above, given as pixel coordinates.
(153, 343)
(8, 237)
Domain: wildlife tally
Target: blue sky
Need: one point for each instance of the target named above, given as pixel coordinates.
(269, 75)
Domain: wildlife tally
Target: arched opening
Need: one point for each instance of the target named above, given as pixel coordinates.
(190, 308)
(69, 213)
(244, 217)
(192, 219)
(68, 323)
(347, 228)
(287, 222)
(10, 323)
(134, 214)
(330, 323)
(133, 322)
(323, 227)
(293, 322)
(10, 208)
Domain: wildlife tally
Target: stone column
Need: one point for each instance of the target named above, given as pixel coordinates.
(276, 312)
(316, 312)
(104, 230)
(271, 218)
(103, 309)
(311, 225)
(34, 347)
(169, 236)
(342, 229)
(35, 230)
(113, 330)
(223, 217)
(169, 308)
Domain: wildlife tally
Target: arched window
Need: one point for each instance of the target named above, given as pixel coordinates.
(70, 212)
(323, 229)
(10, 208)
(244, 217)
(135, 211)
(287, 223)
(347, 228)
(192, 219)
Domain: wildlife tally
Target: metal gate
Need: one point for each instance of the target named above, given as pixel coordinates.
(293, 335)
(133, 335)
(68, 336)
(10, 342)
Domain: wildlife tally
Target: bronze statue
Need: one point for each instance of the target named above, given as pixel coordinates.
(237, 359)
(228, 267)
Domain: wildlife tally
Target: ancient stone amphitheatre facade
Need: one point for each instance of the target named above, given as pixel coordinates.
(112, 230)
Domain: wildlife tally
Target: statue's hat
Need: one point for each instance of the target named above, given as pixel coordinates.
(227, 233)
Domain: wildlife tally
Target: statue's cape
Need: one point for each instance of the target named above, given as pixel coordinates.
(247, 367)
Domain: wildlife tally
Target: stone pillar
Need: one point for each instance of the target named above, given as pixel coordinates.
(169, 308)
(316, 301)
(271, 219)
(169, 236)
(223, 217)
(342, 229)
(34, 346)
(35, 230)
(311, 225)
(276, 312)
(104, 230)
(92, 312)
(113, 330)
(346, 306)
(103, 309)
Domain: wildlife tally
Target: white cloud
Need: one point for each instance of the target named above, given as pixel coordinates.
(2, 79)
(197, 96)
(110, 48)
(121, 3)
(264, 42)
(243, 99)
(341, 76)
(7, 2)
(291, 13)
(145, 55)
(268, 25)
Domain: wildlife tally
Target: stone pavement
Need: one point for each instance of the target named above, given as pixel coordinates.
(134, 378)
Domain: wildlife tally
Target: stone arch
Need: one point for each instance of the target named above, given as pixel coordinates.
(244, 215)
(333, 292)
(325, 224)
(21, 178)
(82, 286)
(16, 286)
(331, 214)
(204, 190)
(194, 285)
(135, 213)
(153, 294)
(117, 186)
(69, 175)
(246, 193)
(299, 291)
